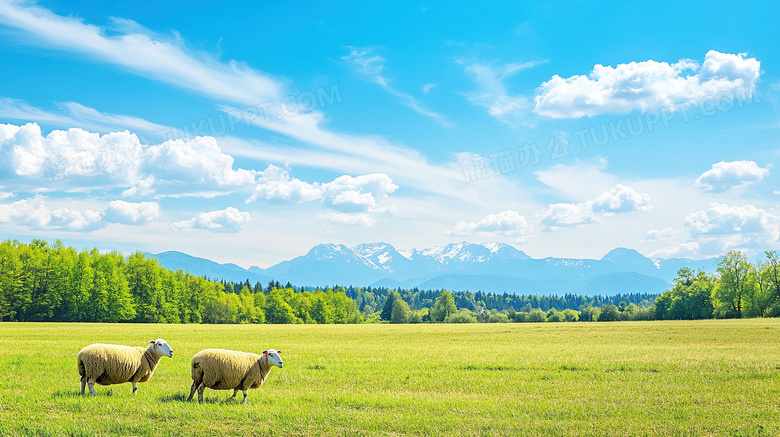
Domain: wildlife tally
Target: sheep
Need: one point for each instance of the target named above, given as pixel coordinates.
(220, 369)
(108, 364)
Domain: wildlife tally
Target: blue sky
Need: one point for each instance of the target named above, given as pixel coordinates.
(250, 132)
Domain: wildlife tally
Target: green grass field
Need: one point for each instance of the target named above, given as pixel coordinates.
(641, 378)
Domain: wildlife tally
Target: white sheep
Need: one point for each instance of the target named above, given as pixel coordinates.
(108, 364)
(220, 369)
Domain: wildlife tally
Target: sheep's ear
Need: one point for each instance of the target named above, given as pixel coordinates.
(278, 352)
(151, 342)
(265, 352)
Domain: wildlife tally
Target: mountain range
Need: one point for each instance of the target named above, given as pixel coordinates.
(490, 267)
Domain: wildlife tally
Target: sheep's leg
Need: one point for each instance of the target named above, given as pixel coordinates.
(135, 387)
(234, 394)
(244, 401)
(201, 388)
(83, 384)
(192, 390)
(91, 383)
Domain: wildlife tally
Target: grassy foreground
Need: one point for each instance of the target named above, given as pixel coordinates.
(630, 378)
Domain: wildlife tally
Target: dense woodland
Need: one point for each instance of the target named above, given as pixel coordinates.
(50, 282)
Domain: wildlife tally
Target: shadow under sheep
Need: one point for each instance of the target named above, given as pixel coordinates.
(178, 397)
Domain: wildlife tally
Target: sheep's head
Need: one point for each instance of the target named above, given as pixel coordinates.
(274, 357)
(161, 348)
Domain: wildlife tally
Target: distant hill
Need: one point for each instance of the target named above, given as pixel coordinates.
(490, 267)
(202, 267)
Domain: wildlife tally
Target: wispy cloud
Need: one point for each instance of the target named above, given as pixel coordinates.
(369, 66)
(491, 92)
(72, 114)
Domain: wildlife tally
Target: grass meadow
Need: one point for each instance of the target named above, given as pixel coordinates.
(627, 378)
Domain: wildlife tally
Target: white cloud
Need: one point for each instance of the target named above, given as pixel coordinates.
(689, 249)
(199, 161)
(426, 89)
(723, 220)
(118, 159)
(143, 188)
(345, 193)
(505, 223)
(581, 181)
(31, 211)
(370, 66)
(275, 183)
(646, 85)
(569, 214)
(35, 212)
(129, 213)
(665, 234)
(143, 52)
(727, 175)
(619, 199)
(227, 220)
(491, 92)
(73, 114)
(5, 195)
(169, 60)
(358, 219)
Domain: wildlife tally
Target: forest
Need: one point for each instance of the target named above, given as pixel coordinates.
(40, 281)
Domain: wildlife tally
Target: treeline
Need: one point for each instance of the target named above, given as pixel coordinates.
(49, 282)
(375, 298)
(738, 289)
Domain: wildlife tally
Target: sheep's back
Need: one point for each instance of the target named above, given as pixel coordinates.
(110, 363)
(224, 369)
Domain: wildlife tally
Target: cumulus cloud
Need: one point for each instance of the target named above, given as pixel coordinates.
(727, 175)
(569, 214)
(226, 220)
(619, 199)
(721, 219)
(129, 213)
(35, 212)
(117, 159)
(509, 223)
(347, 194)
(646, 85)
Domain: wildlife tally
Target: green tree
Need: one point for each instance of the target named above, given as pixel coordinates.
(143, 281)
(734, 284)
(321, 309)
(387, 309)
(609, 313)
(770, 274)
(689, 299)
(277, 310)
(443, 307)
(401, 312)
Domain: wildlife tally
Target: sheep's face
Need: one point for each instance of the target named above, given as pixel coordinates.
(274, 357)
(162, 348)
